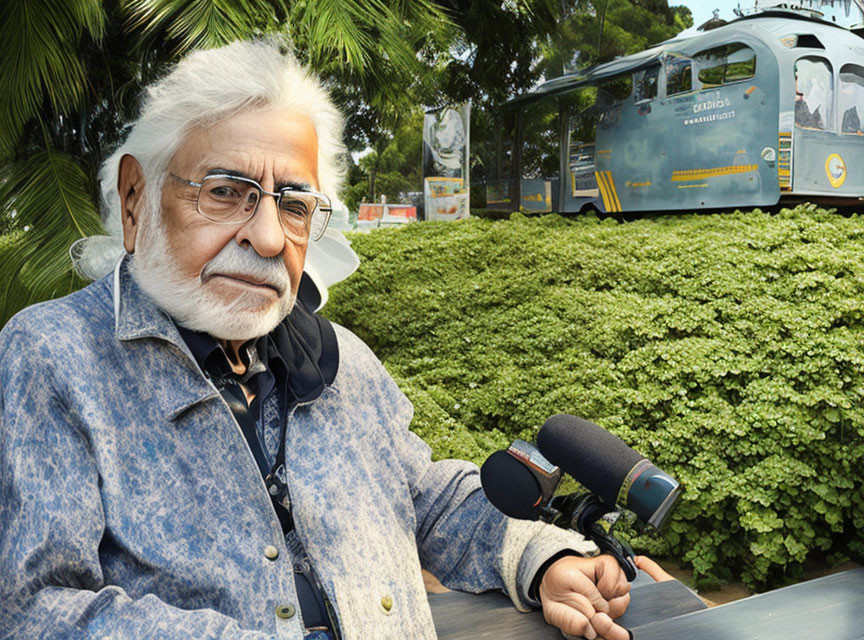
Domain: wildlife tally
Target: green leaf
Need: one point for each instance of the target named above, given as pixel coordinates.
(201, 23)
(50, 197)
(38, 47)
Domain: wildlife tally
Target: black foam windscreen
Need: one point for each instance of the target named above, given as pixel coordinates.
(596, 458)
(510, 486)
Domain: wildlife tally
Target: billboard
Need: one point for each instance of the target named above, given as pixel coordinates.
(445, 162)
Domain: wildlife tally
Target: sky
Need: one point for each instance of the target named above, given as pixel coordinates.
(703, 10)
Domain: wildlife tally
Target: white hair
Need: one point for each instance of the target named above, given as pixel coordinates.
(204, 88)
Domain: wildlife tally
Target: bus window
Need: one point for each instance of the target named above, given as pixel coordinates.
(851, 99)
(740, 63)
(725, 64)
(611, 94)
(645, 83)
(583, 107)
(615, 90)
(814, 81)
(679, 75)
(540, 145)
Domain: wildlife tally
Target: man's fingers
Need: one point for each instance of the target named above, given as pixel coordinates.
(576, 591)
(569, 611)
(611, 580)
(607, 629)
(596, 598)
(570, 619)
(573, 582)
(652, 569)
(617, 606)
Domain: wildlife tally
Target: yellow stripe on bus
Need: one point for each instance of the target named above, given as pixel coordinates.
(614, 192)
(700, 174)
(609, 191)
(603, 192)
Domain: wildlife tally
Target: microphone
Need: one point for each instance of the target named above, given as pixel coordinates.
(519, 481)
(604, 464)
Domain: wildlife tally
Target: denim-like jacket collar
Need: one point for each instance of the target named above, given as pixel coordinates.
(307, 337)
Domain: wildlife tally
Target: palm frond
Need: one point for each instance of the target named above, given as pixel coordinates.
(202, 23)
(50, 197)
(89, 14)
(38, 41)
(334, 33)
(368, 37)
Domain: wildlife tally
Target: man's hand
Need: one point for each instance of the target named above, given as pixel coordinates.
(582, 597)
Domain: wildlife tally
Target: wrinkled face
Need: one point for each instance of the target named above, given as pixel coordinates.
(234, 281)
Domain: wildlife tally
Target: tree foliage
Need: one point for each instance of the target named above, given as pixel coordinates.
(71, 72)
(392, 171)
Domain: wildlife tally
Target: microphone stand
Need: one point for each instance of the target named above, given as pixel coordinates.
(590, 516)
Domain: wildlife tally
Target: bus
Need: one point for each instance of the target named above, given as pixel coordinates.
(765, 109)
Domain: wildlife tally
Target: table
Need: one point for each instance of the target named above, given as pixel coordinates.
(831, 607)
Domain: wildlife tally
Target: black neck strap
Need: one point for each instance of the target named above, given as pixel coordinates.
(234, 396)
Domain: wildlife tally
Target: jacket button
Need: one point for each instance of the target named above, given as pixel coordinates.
(271, 552)
(387, 604)
(285, 611)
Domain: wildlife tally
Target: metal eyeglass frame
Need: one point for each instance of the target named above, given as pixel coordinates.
(322, 198)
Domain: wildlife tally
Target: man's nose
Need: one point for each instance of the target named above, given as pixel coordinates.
(264, 230)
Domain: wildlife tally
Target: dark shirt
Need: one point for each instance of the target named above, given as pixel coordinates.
(296, 361)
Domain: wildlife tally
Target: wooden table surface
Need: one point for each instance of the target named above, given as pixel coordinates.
(831, 607)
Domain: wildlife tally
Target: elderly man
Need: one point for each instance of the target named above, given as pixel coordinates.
(188, 451)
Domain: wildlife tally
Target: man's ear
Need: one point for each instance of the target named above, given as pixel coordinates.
(130, 186)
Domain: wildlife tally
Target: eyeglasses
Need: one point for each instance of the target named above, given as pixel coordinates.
(234, 200)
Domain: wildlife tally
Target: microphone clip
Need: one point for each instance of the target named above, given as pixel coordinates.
(586, 513)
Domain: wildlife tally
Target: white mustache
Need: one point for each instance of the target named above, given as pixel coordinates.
(234, 260)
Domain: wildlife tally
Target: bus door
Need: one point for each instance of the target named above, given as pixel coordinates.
(814, 123)
(723, 127)
(500, 191)
(580, 185)
(594, 117)
(828, 128)
(629, 144)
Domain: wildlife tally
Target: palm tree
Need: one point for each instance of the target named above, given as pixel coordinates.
(71, 72)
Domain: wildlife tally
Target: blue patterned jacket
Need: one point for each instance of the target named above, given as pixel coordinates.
(131, 507)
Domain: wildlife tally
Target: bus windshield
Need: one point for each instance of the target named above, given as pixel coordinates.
(814, 80)
(851, 99)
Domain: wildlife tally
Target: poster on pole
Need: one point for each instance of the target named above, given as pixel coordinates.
(446, 182)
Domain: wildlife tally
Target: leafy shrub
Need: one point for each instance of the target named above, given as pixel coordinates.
(9, 239)
(727, 348)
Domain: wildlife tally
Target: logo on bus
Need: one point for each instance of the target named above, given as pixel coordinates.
(707, 105)
(835, 167)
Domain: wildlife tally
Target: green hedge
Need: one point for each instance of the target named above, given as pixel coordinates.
(728, 348)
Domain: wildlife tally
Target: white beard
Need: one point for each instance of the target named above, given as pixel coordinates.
(186, 300)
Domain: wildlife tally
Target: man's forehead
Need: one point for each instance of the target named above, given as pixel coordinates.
(271, 144)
